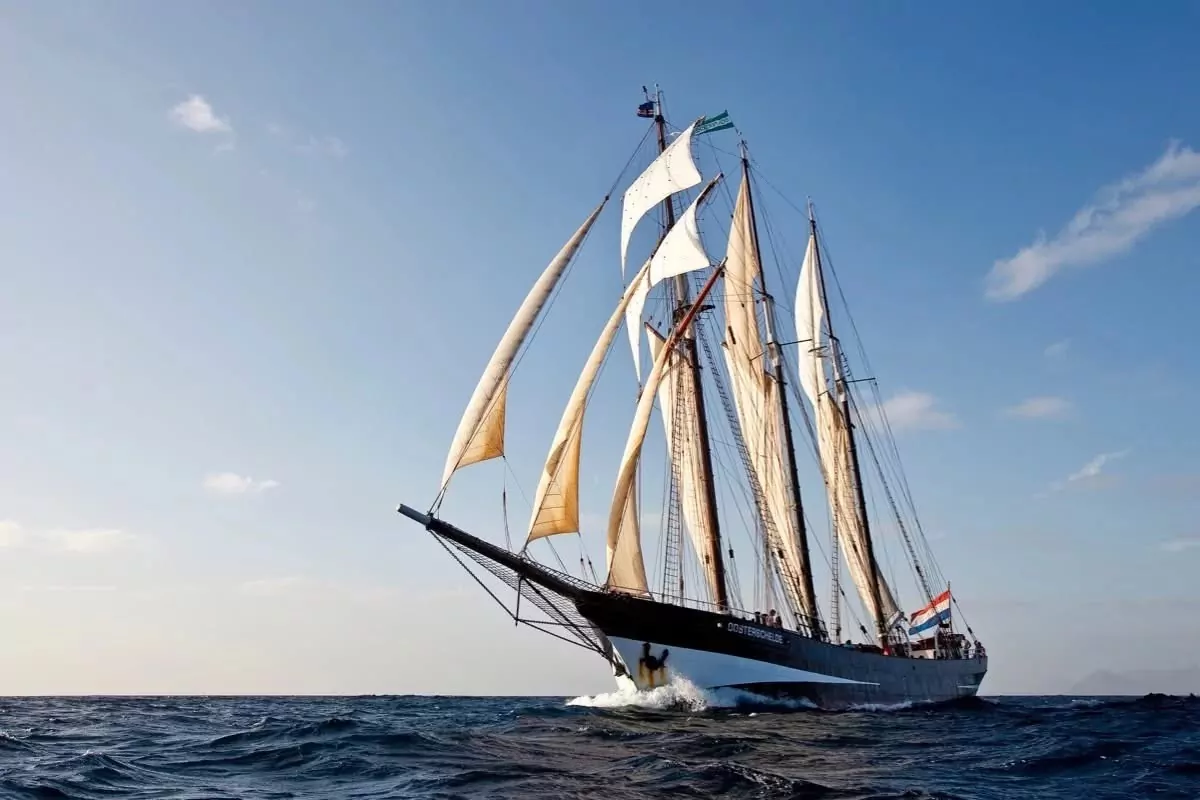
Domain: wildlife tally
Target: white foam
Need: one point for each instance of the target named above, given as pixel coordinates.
(682, 694)
(907, 704)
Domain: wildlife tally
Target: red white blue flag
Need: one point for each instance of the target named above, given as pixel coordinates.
(931, 615)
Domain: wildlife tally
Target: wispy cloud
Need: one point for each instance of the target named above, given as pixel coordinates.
(1111, 224)
(1180, 545)
(89, 540)
(1094, 467)
(1058, 350)
(915, 411)
(65, 540)
(1040, 408)
(309, 144)
(232, 483)
(290, 585)
(11, 534)
(330, 146)
(196, 114)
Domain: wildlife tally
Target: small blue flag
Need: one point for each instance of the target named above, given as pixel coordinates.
(646, 109)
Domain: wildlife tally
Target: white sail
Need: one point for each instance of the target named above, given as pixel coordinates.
(755, 401)
(480, 434)
(673, 171)
(626, 568)
(556, 504)
(681, 251)
(677, 402)
(833, 439)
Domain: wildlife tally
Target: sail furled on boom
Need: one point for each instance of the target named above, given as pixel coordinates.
(677, 402)
(757, 408)
(674, 170)
(480, 434)
(681, 251)
(556, 504)
(833, 438)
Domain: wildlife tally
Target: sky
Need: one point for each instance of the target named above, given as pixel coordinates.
(255, 257)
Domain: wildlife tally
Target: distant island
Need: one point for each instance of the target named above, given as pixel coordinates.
(1139, 682)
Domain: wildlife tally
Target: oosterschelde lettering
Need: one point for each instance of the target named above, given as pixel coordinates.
(758, 633)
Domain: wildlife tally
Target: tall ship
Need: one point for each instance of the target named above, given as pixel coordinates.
(744, 407)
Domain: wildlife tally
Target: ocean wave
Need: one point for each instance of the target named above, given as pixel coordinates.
(676, 740)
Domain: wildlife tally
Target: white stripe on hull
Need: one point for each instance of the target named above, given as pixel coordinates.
(709, 670)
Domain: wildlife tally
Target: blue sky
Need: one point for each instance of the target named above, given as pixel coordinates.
(234, 335)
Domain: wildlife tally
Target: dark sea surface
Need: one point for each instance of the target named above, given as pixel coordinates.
(666, 744)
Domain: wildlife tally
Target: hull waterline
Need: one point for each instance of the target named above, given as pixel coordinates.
(650, 643)
(656, 642)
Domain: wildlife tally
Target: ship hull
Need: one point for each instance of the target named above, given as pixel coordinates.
(654, 643)
(650, 643)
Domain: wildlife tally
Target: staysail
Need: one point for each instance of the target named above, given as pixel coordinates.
(480, 434)
(833, 441)
(626, 568)
(556, 504)
(677, 401)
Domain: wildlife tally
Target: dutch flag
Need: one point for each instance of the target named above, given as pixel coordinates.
(931, 615)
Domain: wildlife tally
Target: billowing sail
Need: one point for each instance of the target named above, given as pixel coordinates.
(677, 400)
(626, 569)
(833, 440)
(480, 434)
(757, 407)
(673, 171)
(681, 251)
(556, 504)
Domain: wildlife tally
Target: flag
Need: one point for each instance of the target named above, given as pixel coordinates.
(646, 109)
(709, 124)
(931, 615)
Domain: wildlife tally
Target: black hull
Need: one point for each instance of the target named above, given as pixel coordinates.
(650, 643)
(717, 651)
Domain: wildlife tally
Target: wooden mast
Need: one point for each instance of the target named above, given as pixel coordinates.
(844, 400)
(682, 307)
(809, 599)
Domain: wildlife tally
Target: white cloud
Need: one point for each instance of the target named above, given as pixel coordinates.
(1094, 467)
(1091, 474)
(11, 534)
(1040, 408)
(65, 540)
(1058, 350)
(232, 483)
(915, 411)
(1111, 224)
(89, 540)
(197, 114)
(1180, 545)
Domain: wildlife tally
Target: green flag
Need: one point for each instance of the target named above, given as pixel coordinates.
(709, 124)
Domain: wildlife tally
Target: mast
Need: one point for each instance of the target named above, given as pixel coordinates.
(683, 304)
(844, 399)
(806, 576)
